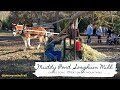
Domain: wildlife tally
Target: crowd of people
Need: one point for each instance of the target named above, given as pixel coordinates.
(101, 31)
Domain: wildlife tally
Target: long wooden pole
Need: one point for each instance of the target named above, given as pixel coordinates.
(40, 31)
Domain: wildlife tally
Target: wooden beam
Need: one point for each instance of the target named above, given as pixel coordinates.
(73, 17)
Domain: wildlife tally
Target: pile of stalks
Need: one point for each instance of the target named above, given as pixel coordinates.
(88, 54)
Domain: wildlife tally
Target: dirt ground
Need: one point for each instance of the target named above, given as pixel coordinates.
(13, 60)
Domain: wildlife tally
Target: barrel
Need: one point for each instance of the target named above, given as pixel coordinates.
(78, 45)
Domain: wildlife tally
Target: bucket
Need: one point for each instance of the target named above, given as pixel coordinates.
(78, 45)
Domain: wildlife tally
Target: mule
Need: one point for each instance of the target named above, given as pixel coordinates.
(27, 35)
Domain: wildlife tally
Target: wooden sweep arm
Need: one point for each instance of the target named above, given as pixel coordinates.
(73, 17)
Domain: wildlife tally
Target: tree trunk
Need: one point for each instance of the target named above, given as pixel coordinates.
(58, 25)
(93, 16)
(111, 18)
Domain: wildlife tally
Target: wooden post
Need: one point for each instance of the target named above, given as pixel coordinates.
(75, 34)
(75, 46)
(64, 47)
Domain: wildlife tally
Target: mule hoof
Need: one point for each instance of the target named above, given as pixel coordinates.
(24, 50)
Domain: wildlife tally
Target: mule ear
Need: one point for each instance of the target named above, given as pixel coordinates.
(24, 27)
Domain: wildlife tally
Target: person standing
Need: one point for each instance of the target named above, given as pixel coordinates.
(89, 33)
(106, 30)
(99, 34)
(94, 31)
(109, 31)
(103, 30)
